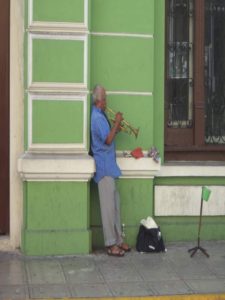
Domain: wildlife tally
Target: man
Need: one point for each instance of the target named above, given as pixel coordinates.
(103, 149)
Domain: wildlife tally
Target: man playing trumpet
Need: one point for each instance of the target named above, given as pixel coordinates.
(103, 149)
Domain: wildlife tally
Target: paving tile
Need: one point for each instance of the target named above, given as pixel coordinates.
(81, 270)
(119, 271)
(207, 286)
(170, 287)
(77, 262)
(43, 271)
(48, 291)
(12, 272)
(192, 268)
(90, 290)
(216, 265)
(13, 292)
(149, 259)
(152, 269)
(121, 289)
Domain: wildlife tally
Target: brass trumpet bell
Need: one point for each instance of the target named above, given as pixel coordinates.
(124, 125)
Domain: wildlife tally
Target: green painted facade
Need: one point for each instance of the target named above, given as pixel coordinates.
(56, 218)
(64, 124)
(56, 11)
(57, 60)
(122, 48)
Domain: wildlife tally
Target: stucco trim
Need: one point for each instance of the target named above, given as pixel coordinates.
(16, 118)
(58, 28)
(49, 167)
(195, 170)
(144, 167)
(129, 93)
(185, 201)
(123, 34)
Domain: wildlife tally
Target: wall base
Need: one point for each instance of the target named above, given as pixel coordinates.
(56, 242)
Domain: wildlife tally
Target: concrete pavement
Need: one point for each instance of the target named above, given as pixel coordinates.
(99, 275)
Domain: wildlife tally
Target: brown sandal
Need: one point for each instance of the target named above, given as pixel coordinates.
(115, 251)
(124, 247)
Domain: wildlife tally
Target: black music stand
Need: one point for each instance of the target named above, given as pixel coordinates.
(205, 196)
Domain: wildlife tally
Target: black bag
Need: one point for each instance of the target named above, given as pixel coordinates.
(150, 240)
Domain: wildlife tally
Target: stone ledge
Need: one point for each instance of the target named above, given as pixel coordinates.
(144, 167)
(55, 167)
(72, 167)
(197, 170)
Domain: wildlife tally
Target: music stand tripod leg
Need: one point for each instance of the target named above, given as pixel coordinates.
(198, 247)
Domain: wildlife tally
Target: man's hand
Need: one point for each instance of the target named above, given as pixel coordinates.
(115, 129)
(118, 117)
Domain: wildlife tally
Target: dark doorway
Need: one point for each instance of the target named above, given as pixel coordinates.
(4, 116)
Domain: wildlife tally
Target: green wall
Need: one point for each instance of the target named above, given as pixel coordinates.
(56, 218)
(159, 75)
(56, 121)
(136, 199)
(58, 60)
(128, 16)
(54, 59)
(58, 10)
(125, 42)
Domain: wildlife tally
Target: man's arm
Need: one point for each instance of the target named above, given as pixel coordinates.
(115, 128)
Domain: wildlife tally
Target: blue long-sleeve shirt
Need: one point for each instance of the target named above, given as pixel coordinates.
(104, 155)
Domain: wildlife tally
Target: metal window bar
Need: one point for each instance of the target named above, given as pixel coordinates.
(215, 71)
(180, 64)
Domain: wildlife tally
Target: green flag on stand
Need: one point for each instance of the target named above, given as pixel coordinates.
(205, 193)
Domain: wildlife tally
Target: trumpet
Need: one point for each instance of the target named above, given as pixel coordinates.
(124, 125)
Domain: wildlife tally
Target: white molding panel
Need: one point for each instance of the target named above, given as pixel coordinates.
(49, 167)
(144, 167)
(185, 201)
(123, 34)
(57, 148)
(60, 28)
(58, 89)
(195, 170)
(129, 93)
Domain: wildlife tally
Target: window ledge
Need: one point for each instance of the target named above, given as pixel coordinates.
(193, 169)
(144, 167)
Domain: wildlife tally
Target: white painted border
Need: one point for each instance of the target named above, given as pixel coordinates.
(59, 148)
(123, 34)
(16, 119)
(58, 28)
(180, 200)
(85, 23)
(194, 170)
(129, 93)
(48, 167)
(32, 36)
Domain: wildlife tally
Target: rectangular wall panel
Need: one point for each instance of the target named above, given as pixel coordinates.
(185, 201)
(122, 63)
(138, 111)
(58, 10)
(57, 121)
(57, 205)
(129, 16)
(57, 60)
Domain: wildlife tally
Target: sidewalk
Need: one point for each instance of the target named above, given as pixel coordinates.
(99, 275)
